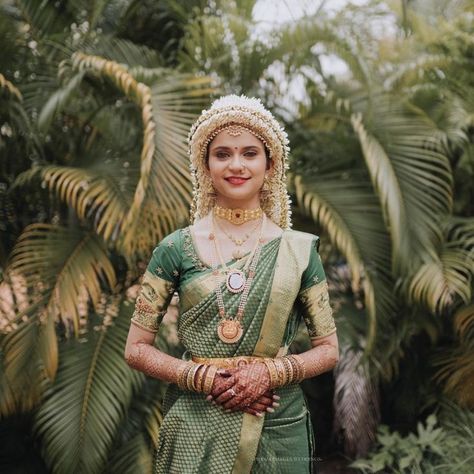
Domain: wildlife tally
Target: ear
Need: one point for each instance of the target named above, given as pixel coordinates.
(269, 167)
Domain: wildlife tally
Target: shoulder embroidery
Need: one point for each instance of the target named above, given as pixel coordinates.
(189, 250)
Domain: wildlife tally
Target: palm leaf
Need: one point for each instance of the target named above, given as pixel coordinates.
(58, 263)
(78, 421)
(58, 266)
(456, 364)
(58, 101)
(349, 213)
(441, 283)
(412, 178)
(8, 89)
(356, 404)
(164, 174)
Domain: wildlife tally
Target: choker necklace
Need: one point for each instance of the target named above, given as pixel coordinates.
(230, 328)
(238, 216)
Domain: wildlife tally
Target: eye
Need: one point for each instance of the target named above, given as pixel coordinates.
(250, 153)
(222, 154)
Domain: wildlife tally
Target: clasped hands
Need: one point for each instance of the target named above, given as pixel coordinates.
(246, 388)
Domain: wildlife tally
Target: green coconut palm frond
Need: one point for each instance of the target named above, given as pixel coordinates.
(412, 177)
(62, 268)
(160, 198)
(90, 395)
(28, 359)
(456, 363)
(58, 263)
(133, 457)
(348, 211)
(444, 282)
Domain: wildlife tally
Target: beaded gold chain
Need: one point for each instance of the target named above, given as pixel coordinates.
(237, 253)
(230, 328)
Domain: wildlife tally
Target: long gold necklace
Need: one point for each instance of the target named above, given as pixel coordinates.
(229, 329)
(238, 253)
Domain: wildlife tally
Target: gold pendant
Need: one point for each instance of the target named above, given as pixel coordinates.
(235, 281)
(229, 330)
(237, 253)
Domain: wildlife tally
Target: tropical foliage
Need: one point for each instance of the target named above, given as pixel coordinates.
(96, 99)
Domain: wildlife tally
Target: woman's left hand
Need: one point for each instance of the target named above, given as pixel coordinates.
(250, 383)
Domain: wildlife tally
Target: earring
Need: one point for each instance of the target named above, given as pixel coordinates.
(265, 189)
(212, 193)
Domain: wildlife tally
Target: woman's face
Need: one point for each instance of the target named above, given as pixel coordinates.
(237, 166)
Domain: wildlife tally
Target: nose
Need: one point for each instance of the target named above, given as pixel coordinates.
(235, 163)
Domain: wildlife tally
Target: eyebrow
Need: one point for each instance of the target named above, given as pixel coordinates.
(221, 147)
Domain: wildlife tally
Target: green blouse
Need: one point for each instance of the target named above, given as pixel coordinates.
(175, 262)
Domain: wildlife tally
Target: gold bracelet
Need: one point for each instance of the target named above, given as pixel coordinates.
(282, 375)
(183, 375)
(296, 369)
(201, 377)
(288, 370)
(189, 378)
(301, 366)
(209, 380)
(193, 385)
(272, 370)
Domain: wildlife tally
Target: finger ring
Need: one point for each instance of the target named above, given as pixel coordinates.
(232, 391)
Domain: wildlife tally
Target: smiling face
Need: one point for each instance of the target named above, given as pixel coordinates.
(237, 166)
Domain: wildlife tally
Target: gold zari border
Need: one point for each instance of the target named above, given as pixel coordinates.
(317, 311)
(153, 298)
(293, 254)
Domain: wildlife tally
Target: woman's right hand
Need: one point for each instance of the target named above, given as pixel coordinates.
(267, 402)
(224, 380)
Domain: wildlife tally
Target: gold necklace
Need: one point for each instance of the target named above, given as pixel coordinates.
(238, 253)
(230, 328)
(238, 216)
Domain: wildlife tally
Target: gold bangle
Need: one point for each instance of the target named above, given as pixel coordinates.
(201, 377)
(272, 370)
(193, 385)
(184, 374)
(301, 366)
(209, 380)
(288, 370)
(189, 378)
(296, 369)
(279, 364)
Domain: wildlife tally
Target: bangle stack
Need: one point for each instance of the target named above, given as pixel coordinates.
(202, 383)
(285, 370)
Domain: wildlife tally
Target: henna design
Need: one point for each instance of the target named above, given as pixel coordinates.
(152, 362)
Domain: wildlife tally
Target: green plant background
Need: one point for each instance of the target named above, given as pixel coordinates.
(96, 100)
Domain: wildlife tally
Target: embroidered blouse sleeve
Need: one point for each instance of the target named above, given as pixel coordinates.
(158, 284)
(313, 297)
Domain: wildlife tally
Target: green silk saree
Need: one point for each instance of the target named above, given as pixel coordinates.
(196, 436)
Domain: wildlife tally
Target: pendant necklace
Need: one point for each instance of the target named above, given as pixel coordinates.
(235, 279)
(237, 253)
(230, 328)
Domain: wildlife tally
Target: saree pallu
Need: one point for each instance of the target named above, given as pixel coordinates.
(198, 437)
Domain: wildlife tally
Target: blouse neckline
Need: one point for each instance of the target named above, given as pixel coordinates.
(193, 252)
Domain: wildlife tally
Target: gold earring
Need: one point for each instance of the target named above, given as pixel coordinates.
(265, 190)
(212, 193)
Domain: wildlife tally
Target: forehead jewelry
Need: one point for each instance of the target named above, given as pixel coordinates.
(234, 130)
